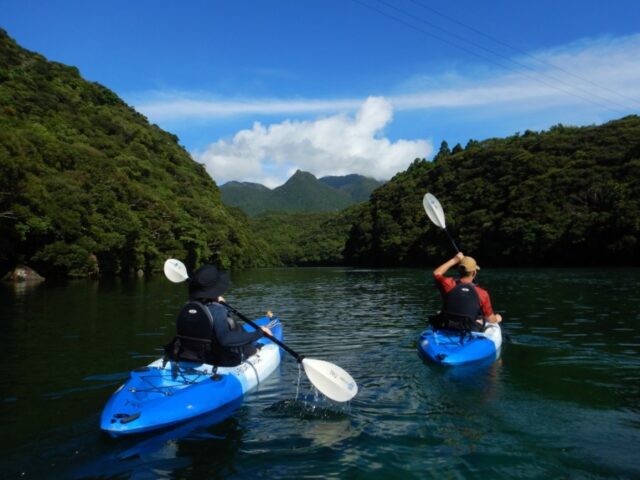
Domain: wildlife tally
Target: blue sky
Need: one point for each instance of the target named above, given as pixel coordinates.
(257, 89)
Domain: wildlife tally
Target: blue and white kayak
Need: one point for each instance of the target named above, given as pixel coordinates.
(158, 396)
(452, 347)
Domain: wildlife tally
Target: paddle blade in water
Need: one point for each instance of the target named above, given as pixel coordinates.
(331, 380)
(175, 270)
(434, 210)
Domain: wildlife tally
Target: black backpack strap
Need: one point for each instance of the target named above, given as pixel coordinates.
(172, 351)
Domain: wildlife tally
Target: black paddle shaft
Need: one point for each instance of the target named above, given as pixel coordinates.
(451, 238)
(297, 356)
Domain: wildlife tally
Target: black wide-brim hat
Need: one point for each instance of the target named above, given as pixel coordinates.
(208, 282)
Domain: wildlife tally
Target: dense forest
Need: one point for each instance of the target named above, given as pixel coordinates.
(306, 239)
(89, 187)
(565, 197)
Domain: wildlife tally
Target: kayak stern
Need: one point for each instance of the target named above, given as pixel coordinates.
(448, 347)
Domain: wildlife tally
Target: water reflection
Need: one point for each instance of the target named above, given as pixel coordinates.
(140, 454)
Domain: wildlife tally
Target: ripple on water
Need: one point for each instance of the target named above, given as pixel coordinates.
(308, 409)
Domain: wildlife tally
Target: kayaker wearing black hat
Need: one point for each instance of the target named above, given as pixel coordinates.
(462, 298)
(231, 344)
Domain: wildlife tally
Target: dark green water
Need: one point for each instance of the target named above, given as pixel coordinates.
(562, 401)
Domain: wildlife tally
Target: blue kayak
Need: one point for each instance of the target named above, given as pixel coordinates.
(452, 347)
(157, 396)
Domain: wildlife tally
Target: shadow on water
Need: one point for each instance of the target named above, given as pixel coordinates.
(145, 452)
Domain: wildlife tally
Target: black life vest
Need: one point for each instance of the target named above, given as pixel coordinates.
(461, 309)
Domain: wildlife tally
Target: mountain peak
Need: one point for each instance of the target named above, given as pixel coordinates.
(301, 175)
(302, 192)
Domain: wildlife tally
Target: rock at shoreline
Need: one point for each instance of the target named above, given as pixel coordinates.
(23, 274)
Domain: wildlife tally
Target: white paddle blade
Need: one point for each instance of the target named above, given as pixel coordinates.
(175, 270)
(331, 380)
(434, 210)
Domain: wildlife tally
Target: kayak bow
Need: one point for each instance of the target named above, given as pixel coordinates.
(158, 396)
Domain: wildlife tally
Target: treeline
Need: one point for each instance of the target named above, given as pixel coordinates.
(564, 197)
(88, 186)
(305, 239)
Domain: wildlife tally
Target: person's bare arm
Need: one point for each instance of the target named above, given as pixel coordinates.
(442, 269)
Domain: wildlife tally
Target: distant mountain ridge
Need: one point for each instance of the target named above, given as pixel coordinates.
(303, 192)
(357, 187)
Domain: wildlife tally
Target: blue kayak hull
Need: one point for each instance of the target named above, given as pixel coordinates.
(158, 396)
(448, 347)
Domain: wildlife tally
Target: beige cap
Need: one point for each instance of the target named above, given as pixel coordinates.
(468, 264)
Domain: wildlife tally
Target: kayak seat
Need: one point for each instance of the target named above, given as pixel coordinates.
(454, 321)
(194, 328)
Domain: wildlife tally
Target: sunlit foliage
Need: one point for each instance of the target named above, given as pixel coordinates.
(89, 187)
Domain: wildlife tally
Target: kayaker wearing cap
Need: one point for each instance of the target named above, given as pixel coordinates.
(462, 298)
(231, 343)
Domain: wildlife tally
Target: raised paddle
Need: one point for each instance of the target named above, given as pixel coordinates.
(436, 215)
(329, 379)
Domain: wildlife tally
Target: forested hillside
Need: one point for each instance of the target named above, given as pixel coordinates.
(567, 196)
(88, 186)
(357, 187)
(248, 196)
(306, 239)
(303, 192)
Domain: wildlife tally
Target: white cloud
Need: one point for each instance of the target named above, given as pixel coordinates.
(181, 105)
(334, 145)
(603, 74)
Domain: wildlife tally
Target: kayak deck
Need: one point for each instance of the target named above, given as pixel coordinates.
(158, 396)
(451, 347)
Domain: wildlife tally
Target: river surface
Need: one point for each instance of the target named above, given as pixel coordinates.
(561, 401)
